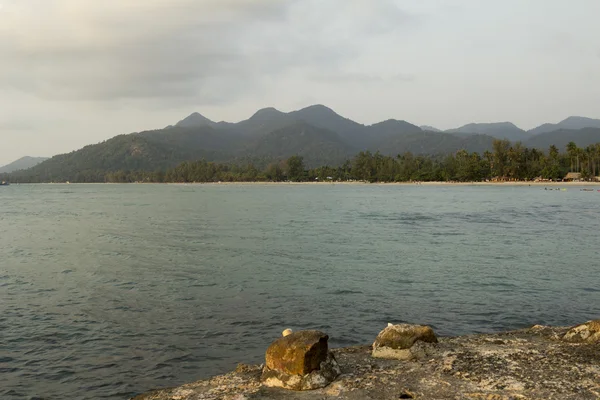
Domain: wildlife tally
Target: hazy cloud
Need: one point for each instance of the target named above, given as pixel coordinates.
(74, 49)
(361, 78)
(15, 125)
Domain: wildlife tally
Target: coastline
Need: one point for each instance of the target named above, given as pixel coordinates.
(436, 183)
(331, 183)
(533, 363)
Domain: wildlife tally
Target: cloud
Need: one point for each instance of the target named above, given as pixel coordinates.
(205, 51)
(15, 125)
(361, 78)
(134, 49)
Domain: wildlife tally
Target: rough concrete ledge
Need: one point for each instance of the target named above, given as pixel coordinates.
(526, 364)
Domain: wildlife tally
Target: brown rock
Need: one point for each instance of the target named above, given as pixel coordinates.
(328, 371)
(584, 333)
(395, 341)
(299, 353)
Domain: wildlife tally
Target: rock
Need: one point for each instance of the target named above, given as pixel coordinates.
(317, 379)
(300, 361)
(395, 341)
(299, 353)
(521, 364)
(584, 333)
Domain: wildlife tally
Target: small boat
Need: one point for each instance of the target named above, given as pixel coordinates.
(3, 183)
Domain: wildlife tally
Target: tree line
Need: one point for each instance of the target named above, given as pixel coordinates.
(506, 162)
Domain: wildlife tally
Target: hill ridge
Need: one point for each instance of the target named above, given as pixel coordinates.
(316, 132)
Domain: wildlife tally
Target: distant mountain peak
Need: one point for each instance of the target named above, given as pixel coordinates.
(504, 124)
(499, 130)
(572, 122)
(318, 108)
(430, 128)
(578, 119)
(267, 111)
(22, 163)
(195, 119)
(392, 121)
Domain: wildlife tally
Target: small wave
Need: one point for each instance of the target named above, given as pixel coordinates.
(209, 335)
(188, 357)
(403, 281)
(203, 285)
(409, 218)
(589, 289)
(345, 291)
(248, 323)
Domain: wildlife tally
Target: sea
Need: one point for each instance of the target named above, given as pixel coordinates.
(108, 291)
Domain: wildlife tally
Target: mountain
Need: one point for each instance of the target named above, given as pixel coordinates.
(569, 123)
(262, 122)
(318, 146)
(427, 142)
(317, 133)
(22, 163)
(194, 120)
(324, 117)
(149, 151)
(499, 130)
(560, 138)
(387, 129)
(430, 128)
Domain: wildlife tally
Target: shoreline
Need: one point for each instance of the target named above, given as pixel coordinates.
(533, 363)
(432, 183)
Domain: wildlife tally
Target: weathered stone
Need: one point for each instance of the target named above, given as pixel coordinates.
(526, 364)
(395, 341)
(298, 353)
(317, 379)
(584, 333)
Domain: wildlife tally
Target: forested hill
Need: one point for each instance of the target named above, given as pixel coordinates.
(317, 133)
(506, 162)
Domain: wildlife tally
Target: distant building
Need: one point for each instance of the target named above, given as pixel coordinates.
(572, 177)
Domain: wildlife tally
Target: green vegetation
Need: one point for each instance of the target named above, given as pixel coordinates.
(505, 162)
(263, 146)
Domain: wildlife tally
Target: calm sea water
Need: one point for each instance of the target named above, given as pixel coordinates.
(111, 290)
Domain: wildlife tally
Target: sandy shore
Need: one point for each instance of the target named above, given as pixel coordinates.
(507, 184)
(330, 183)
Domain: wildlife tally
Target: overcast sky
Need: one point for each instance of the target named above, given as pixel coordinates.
(75, 72)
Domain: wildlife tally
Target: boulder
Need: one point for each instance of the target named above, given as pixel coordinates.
(300, 361)
(395, 341)
(584, 333)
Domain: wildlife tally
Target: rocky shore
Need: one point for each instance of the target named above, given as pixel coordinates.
(537, 363)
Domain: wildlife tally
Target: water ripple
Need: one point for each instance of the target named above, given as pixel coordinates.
(111, 290)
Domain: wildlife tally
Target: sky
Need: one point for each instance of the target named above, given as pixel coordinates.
(76, 72)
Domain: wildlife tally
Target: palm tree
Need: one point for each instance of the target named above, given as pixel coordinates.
(589, 155)
(572, 151)
(490, 159)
